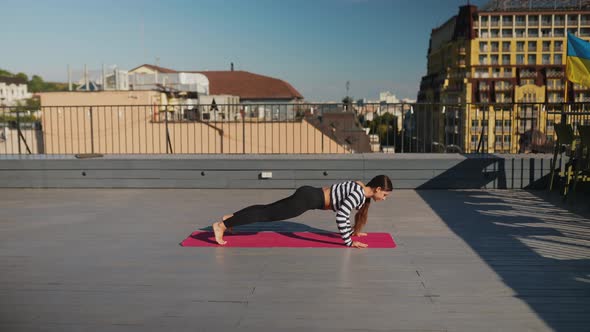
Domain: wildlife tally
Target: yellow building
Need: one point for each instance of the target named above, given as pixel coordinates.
(483, 64)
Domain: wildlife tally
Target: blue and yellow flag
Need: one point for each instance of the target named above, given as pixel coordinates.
(578, 60)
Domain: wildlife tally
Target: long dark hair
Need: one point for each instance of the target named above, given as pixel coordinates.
(360, 219)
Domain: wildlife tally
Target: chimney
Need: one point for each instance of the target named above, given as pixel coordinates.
(232, 66)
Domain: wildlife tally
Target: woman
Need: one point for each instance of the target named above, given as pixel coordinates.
(340, 197)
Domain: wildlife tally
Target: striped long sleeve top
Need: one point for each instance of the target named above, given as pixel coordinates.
(345, 196)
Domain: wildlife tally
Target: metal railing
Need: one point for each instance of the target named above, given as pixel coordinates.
(294, 128)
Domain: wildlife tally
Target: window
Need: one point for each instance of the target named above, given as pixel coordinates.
(572, 19)
(520, 20)
(558, 32)
(505, 46)
(520, 46)
(532, 60)
(474, 123)
(532, 46)
(533, 20)
(506, 20)
(520, 59)
(506, 33)
(498, 139)
(507, 139)
(505, 59)
(483, 46)
(483, 60)
(495, 21)
(546, 46)
(474, 138)
(494, 61)
(546, 59)
(557, 59)
(495, 47)
(573, 31)
(484, 20)
(533, 33)
(495, 33)
(558, 46)
(559, 20)
(519, 33)
(507, 123)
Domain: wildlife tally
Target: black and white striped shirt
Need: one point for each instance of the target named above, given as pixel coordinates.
(345, 196)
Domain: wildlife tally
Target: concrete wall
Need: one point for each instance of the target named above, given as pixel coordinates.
(421, 171)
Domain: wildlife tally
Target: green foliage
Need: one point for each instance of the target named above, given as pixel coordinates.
(36, 83)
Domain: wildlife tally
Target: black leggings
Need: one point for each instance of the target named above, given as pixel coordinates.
(305, 198)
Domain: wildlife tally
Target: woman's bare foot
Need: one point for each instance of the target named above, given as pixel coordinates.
(218, 229)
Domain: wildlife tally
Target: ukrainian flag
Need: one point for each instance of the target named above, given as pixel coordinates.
(578, 60)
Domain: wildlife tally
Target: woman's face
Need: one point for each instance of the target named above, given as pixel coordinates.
(380, 195)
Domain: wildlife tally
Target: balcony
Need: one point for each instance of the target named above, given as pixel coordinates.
(504, 87)
(546, 23)
(559, 23)
(528, 74)
(554, 73)
(555, 87)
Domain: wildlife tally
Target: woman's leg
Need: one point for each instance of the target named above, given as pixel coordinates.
(285, 208)
(302, 200)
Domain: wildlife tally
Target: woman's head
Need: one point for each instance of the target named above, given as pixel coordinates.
(382, 187)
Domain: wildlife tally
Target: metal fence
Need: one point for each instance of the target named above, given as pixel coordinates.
(286, 128)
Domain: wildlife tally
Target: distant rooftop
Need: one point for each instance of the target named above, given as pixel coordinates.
(536, 5)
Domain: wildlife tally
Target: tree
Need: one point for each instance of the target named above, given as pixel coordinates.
(5, 73)
(22, 76)
(36, 84)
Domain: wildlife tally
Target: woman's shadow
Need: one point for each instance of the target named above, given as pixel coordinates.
(285, 228)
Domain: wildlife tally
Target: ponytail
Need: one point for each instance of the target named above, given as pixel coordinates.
(360, 219)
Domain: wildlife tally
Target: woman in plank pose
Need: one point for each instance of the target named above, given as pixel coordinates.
(340, 197)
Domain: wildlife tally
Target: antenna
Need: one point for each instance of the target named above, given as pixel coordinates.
(347, 87)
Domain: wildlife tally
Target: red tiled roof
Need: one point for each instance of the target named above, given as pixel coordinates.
(160, 69)
(247, 85)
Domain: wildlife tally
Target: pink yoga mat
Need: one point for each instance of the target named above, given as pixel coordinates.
(285, 240)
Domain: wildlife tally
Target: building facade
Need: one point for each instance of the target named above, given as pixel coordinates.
(12, 90)
(485, 64)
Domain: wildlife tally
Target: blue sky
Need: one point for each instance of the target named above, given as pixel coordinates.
(377, 45)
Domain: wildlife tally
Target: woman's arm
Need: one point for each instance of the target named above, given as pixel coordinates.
(343, 217)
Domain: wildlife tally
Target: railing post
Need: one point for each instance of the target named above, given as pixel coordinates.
(91, 131)
(243, 114)
(18, 129)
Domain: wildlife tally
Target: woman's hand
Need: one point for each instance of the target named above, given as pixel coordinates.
(359, 234)
(358, 244)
